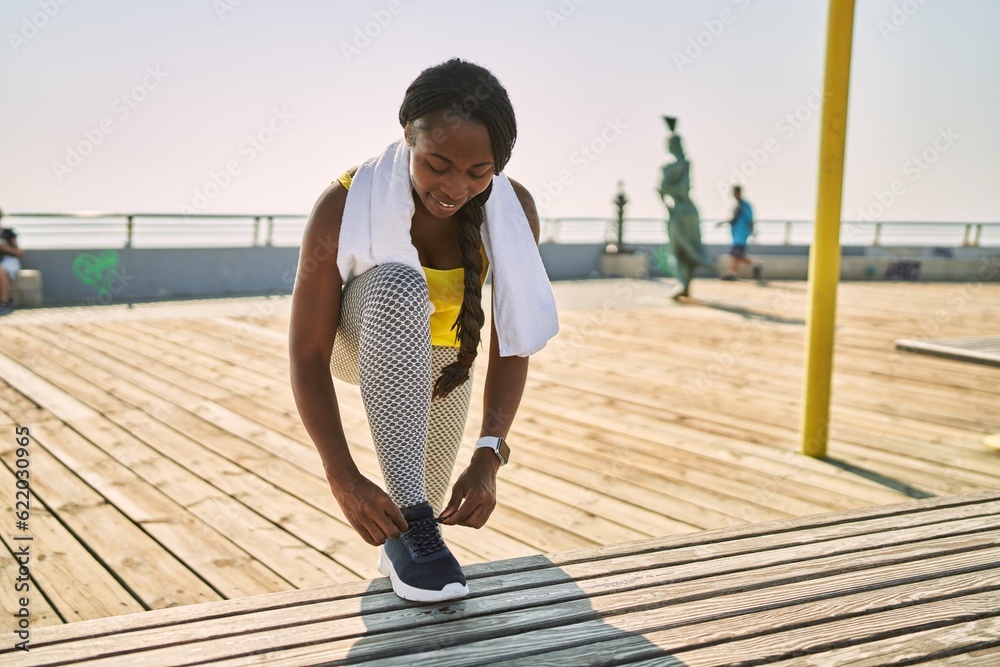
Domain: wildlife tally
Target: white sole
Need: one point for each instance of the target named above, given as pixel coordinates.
(449, 592)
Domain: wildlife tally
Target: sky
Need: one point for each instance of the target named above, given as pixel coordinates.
(254, 106)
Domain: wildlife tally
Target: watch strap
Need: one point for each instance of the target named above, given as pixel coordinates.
(495, 443)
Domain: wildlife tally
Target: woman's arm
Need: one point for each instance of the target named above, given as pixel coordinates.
(314, 320)
(473, 497)
(506, 376)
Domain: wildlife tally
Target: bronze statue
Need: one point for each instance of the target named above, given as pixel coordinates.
(684, 223)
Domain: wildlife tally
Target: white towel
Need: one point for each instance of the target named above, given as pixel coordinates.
(376, 230)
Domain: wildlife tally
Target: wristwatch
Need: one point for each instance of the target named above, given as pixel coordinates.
(498, 445)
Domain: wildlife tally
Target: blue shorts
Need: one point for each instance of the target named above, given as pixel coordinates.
(738, 250)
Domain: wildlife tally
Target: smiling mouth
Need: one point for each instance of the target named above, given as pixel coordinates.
(442, 204)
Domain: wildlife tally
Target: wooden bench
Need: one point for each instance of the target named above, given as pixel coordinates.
(910, 582)
(26, 288)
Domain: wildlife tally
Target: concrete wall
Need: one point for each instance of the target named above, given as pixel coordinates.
(76, 276)
(881, 263)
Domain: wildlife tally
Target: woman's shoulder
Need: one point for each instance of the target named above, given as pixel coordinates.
(528, 204)
(346, 178)
(328, 212)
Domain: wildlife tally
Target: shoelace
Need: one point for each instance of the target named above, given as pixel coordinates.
(424, 537)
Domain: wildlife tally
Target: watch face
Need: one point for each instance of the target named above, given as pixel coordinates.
(503, 451)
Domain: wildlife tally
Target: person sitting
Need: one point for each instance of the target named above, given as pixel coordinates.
(10, 264)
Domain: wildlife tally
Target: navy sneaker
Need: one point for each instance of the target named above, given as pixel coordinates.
(419, 563)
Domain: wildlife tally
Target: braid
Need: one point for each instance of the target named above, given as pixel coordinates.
(465, 91)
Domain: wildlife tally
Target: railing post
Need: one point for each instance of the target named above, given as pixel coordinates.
(270, 230)
(979, 235)
(256, 230)
(553, 230)
(788, 232)
(877, 241)
(965, 237)
(128, 231)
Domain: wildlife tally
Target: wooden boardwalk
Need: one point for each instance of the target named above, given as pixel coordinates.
(913, 583)
(168, 465)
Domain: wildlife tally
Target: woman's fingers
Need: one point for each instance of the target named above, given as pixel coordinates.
(474, 511)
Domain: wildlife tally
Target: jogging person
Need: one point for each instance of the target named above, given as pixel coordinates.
(742, 228)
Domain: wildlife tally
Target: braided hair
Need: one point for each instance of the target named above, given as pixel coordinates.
(464, 91)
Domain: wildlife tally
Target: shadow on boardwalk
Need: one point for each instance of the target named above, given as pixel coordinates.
(536, 615)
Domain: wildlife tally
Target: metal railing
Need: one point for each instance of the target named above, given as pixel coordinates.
(50, 230)
(640, 231)
(159, 230)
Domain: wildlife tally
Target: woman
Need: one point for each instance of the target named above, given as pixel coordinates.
(414, 367)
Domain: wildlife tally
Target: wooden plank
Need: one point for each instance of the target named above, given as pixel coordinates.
(957, 352)
(475, 623)
(42, 393)
(155, 364)
(599, 408)
(56, 558)
(674, 462)
(771, 379)
(727, 456)
(703, 354)
(41, 612)
(812, 639)
(707, 379)
(931, 443)
(48, 362)
(278, 552)
(297, 564)
(18, 409)
(935, 644)
(195, 360)
(550, 524)
(148, 572)
(283, 509)
(342, 541)
(986, 657)
(774, 463)
(509, 602)
(249, 364)
(226, 567)
(741, 540)
(620, 640)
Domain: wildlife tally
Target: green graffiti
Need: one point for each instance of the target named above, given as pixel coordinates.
(96, 270)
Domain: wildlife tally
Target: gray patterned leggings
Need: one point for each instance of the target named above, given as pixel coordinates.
(383, 345)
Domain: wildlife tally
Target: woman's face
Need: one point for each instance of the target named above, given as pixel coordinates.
(450, 163)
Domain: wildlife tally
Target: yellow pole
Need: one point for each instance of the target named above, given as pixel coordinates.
(824, 257)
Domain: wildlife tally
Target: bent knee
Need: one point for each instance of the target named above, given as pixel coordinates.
(399, 285)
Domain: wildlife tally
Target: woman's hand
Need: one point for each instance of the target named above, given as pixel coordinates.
(474, 495)
(369, 510)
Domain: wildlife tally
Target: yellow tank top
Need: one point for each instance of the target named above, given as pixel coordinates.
(446, 288)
